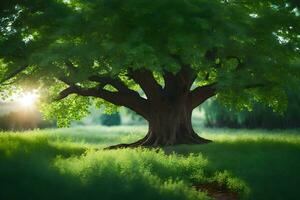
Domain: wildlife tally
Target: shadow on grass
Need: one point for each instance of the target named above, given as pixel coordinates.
(270, 167)
(25, 172)
(37, 169)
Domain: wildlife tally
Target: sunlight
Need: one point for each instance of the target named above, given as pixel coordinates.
(28, 99)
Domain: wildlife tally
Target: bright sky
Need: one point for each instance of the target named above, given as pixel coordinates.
(26, 99)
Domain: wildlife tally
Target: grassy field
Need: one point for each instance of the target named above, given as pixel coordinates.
(69, 164)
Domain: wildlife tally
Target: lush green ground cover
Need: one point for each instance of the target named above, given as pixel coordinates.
(69, 164)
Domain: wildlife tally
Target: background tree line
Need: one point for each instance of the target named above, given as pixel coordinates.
(260, 116)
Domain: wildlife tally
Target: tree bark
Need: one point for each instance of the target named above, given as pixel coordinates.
(169, 124)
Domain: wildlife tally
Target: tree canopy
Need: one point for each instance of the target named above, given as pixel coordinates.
(124, 52)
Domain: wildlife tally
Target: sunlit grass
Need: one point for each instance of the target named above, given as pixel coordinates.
(70, 164)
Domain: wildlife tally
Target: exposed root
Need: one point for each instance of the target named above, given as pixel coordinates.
(151, 142)
(199, 140)
(130, 145)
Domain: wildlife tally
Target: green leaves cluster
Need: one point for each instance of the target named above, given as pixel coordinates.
(233, 43)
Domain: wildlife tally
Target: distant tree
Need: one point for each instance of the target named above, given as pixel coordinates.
(113, 119)
(24, 120)
(217, 115)
(132, 117)
(180, 53)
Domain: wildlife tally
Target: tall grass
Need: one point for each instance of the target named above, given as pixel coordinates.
(70, 164)
(268, 161)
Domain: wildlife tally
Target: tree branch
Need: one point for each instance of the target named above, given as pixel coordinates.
(200, 94)
(129, 100)
(65, 93)
(147, 82)
(14, 73)
(169, 79)
(186, 73)
(182, 80)
(115, 82)
(66, 80)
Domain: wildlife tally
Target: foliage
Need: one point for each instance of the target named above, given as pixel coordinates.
(235, 184)
(72, 108)
(218, 115)
(237, 44)
(40, 165)
(113, 119)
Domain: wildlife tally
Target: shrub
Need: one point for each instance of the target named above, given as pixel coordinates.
(113, 119)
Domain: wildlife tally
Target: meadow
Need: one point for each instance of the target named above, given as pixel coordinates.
(70, 163)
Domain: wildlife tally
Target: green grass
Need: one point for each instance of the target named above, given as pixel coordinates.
(69, 164)
(269, 162)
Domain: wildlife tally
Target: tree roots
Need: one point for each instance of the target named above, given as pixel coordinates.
(149, 141)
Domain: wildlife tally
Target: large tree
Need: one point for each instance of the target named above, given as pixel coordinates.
(160, 58)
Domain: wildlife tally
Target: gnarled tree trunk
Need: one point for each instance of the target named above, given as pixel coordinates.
(167, 108)
(169, 124)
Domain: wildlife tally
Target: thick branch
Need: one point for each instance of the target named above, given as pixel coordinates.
(66, 80)
(147, 82)
(169, 79)
(65, 93)
(186, 74)
(115, 82)
(13, 74)
(200, 94)
(182, 80)
(129, 100)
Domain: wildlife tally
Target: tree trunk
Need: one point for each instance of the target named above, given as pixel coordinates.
(169, 124)
(167, 108)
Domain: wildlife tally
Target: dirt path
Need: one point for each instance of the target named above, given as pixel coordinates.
(217, 192)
